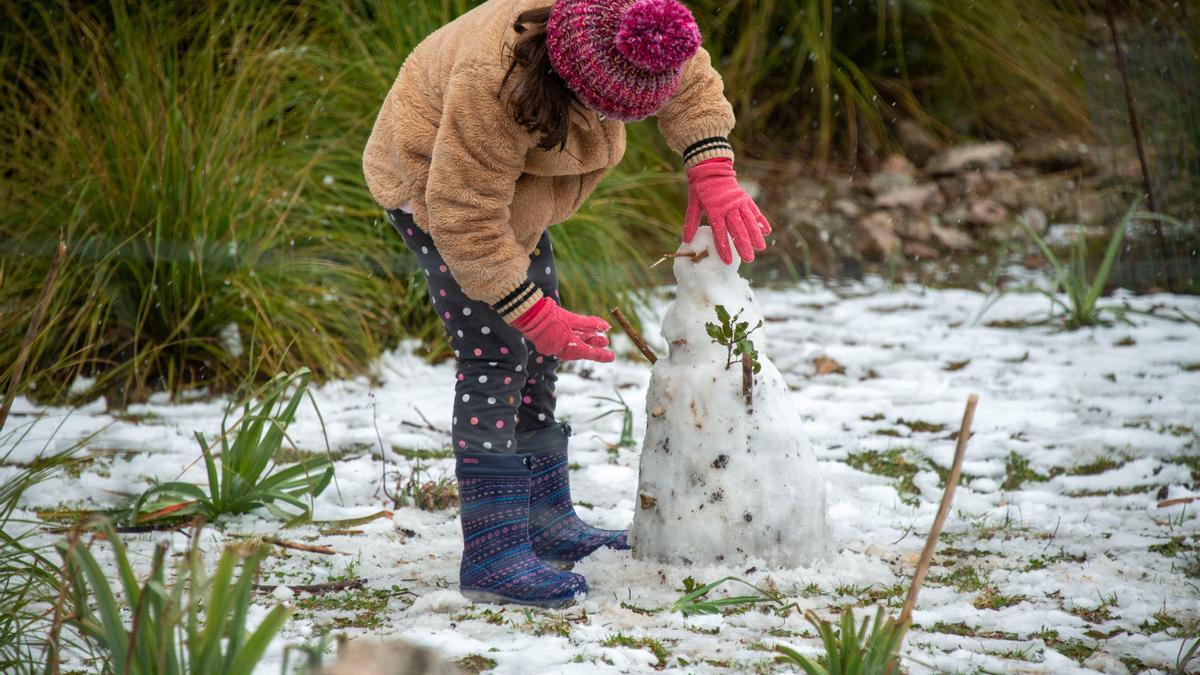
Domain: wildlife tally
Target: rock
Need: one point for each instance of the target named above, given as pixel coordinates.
(920, 251)
(283, 594)
(956, 215)
(897, 164)
(884, 182)
(986, 213)
(876, 240)
(919, 229)
(975, 185)
(919, 145)
(1036, 219)
(1004, 186)
(847, 207)
(963, 158)
(1054, 195)
(955, 240)
(365, 656)
(916, 199)
(1055, 154)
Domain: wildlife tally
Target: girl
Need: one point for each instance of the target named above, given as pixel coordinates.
(500, 124)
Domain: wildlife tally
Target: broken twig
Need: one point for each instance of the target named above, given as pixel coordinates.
(1176, 501)
(634, 335)
(696, 256)
(964, 434)
(296, 546)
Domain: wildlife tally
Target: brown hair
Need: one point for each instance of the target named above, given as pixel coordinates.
(540, 101)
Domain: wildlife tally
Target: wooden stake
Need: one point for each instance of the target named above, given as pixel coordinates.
(634, 335)
(35, 322)
(964, 434)
(748, 380)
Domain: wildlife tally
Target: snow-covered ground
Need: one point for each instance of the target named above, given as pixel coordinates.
(1055, 555)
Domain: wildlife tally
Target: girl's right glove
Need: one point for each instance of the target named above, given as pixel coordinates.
(556, 332)
(713, 189)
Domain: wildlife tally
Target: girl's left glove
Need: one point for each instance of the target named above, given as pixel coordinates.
(566, 335)
(713, 189)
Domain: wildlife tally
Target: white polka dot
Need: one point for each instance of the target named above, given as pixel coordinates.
(485, 330)
(425, 249)
(426, 272)
(487, 445)
(492, 364)
(541, 417)
(482, 379)
(460, 333)
(547, 270)
(454, 420)
(455, 353)
(466, 397)
(518, 369)
(508, 444)
(466, 311)
(491, 400)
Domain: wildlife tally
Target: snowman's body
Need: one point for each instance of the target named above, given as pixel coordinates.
(722, 482)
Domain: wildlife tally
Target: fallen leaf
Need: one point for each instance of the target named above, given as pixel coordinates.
(956, 365)
(827, 366)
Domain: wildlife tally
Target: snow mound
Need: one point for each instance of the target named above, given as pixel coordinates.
(723, 482)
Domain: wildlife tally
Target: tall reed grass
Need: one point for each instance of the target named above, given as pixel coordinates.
(837, 75)
(202, 161)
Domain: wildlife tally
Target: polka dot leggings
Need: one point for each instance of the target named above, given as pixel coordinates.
(504, 386)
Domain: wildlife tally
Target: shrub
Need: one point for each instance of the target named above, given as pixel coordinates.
(245, 478)
(29, 579)
(192, 623)
(834, 76)
(203, 163)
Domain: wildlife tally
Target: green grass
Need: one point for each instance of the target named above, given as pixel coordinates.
(892, 463)
(247, 476)
(655, 647)
(1017, 473)
(202, 162)
(190, 622)
(838, 74)
(30, 580)
(210, 192)
(357, 608)
(872, 649)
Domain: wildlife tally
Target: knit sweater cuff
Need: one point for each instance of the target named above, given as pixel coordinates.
(705, 147)
(517, 301)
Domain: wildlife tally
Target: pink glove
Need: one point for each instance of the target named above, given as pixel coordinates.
(713, 188)
(566, 335)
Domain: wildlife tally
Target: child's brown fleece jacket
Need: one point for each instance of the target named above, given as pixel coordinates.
(445, 141)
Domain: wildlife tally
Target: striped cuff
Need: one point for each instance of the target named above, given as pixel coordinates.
(517, 301)
(706, 148)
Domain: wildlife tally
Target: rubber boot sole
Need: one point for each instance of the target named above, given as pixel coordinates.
(483, 595)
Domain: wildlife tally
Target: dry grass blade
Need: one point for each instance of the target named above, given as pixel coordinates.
(35, 323)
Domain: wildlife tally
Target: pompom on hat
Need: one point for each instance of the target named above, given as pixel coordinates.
(622, 58)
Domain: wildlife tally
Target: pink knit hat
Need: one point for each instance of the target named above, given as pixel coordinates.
(622, 58)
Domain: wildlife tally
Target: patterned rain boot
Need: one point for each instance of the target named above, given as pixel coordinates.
(558, 535)
(498, 564)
